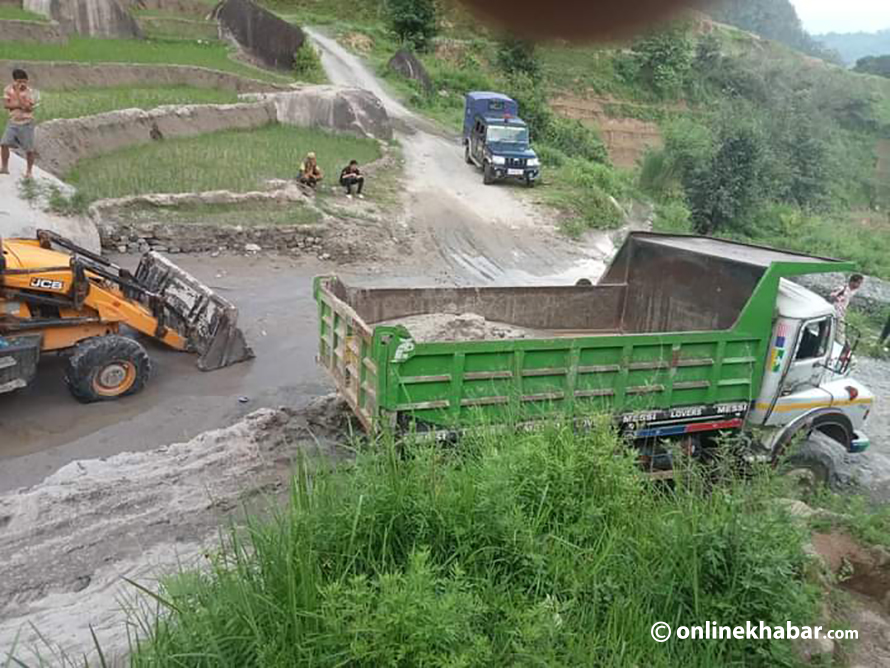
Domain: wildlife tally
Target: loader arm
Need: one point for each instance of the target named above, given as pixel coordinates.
(46, 290)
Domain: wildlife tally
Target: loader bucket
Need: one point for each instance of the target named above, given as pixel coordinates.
(207, 321)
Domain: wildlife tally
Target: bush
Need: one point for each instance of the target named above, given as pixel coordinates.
(673, 217)
(664, 59)
(550, 157)
(518, 56)
(307, 64)
(414, 22)
(544, 549)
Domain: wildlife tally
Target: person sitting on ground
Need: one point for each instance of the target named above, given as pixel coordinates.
(352, 176)
(19, 100)
(840, 298)
(310, 172)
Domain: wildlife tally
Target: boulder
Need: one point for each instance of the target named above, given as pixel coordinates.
(261, 34)
(352, 110)
(410, 67)
(94, 18)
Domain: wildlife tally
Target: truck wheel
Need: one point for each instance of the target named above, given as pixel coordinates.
(529, 182)
(467, 154)
(107, 367)
(813, 461)
(487, 174)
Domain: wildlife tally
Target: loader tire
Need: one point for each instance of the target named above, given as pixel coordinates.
(103, 368)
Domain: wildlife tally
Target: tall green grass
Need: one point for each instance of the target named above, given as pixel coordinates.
(543, 549)
(214, 55)
(88, 101)
(238, 160)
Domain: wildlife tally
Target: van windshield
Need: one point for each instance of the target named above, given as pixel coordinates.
(507, 135)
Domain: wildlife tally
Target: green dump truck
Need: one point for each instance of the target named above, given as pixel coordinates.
(683, 338)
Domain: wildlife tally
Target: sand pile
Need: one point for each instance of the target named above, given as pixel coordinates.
(434, 327)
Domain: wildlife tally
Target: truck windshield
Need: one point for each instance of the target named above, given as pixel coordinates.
(507, 135)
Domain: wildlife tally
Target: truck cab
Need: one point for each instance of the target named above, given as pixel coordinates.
(807, 385)
(496, 140)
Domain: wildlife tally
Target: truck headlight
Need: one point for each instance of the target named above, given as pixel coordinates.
(533, 162)
(498, 160)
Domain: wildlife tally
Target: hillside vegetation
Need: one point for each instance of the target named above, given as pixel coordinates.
(756, 140)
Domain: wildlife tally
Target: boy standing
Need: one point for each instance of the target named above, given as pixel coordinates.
(19, 100)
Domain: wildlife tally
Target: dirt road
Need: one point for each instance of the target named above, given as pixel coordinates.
(482, 234)
(44, 428)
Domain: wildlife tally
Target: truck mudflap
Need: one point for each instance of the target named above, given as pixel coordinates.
(205, 320)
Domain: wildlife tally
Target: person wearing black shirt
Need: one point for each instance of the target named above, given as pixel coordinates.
(351, 177)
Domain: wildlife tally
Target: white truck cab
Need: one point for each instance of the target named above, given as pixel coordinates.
(807, 386)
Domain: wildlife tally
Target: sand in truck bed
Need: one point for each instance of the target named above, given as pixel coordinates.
(435, 327)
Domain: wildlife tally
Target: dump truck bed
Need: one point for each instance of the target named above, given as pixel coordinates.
(677, 329)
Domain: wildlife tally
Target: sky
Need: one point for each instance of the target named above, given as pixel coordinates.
(820, 16)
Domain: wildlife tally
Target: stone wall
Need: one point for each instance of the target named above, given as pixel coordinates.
(31, 31)
(208, 238)
(67, 76)
(61, 143)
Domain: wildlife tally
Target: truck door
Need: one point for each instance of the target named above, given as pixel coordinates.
(810, 356)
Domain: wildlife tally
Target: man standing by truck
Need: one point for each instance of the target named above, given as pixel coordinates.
(19, 100)
(840, 298)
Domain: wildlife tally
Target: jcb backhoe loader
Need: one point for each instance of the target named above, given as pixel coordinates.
(58, 297)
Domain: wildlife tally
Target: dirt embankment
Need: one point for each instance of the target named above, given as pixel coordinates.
(31, 31)
(66, 543)
(626, 139)
(72, 76)
(62, 142)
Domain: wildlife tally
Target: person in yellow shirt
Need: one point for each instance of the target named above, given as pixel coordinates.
(310, 173)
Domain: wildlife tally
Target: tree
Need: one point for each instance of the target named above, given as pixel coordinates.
(664, 58)
(879, 65)
(413, 21)
(518, 56)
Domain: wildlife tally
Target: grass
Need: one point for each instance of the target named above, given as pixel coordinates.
(545, 549)
(89, 101)
(237, 160)
(174, 27)
(8, 12)
(245, 213)
(214, 55)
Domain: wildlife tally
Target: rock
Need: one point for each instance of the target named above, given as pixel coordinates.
(409, 66)
(815, 650)
(252, 248)
(122, 249)
(93, 18)
(325, 256)
(260, 33)
(795, 508)
(334, 107)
